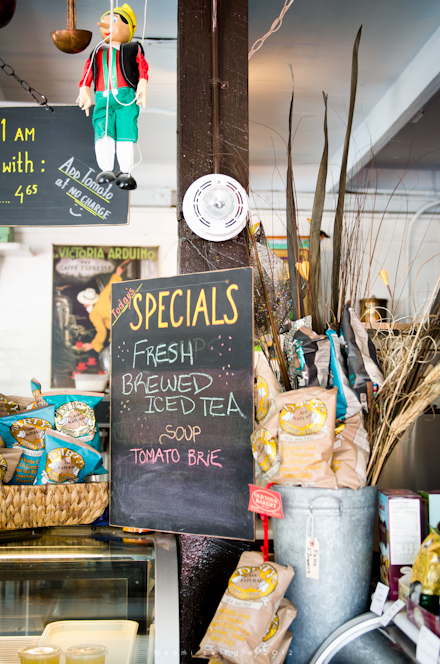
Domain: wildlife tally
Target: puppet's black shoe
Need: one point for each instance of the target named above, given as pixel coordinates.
(105, 177)
(125, 181)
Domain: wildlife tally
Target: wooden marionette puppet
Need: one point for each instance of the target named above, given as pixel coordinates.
(119, 73)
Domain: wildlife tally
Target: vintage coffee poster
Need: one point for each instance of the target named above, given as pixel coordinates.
(82, 281)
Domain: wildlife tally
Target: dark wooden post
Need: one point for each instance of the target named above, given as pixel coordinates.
(206, 563)
(194, 118)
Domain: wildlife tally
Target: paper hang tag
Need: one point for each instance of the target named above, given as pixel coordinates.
(428, 647)
(379, 598)
(312, 558)
(391, 612)
(264, 501)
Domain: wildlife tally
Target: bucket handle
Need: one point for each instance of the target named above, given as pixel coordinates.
(341, 505)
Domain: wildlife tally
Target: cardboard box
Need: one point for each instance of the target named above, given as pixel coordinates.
(430, 511)
(400, 534)
(420, 616)
(404, 583)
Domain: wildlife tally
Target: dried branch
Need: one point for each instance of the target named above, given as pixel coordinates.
(273, 328)
(409, 384)
(337, 233)
(291, 225)
(315, 235)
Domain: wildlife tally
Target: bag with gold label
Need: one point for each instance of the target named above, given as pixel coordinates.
(27, 430)
(266, 386)
(274, 646)
(74, 412)
(351, 451)
(425, 578)
(67, 460)
(246, 610)
(265, 447)
(12, 404)
(295, 443)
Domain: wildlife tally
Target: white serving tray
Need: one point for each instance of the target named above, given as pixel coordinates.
(117, 635)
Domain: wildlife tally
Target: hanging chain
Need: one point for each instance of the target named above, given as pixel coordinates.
(37, 96)
(276, 25)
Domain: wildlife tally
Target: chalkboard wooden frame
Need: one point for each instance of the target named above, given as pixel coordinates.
(48, 169)
(182, 408)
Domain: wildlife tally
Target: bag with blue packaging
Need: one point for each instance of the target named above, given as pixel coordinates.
(74, 412)
(347, 403)
(67, 460)
(363, 365)
(28, 431)
(308, 357)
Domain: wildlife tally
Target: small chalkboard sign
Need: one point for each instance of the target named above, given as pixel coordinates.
(182, 404)
(48, 169)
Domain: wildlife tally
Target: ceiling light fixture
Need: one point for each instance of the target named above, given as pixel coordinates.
(215, 207)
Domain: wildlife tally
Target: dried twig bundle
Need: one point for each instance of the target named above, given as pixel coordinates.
(412, 381)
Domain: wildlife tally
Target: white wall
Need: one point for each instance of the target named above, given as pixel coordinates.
(26, 288)
(410, 252)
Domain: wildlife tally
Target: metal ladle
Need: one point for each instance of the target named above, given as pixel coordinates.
(71, 40)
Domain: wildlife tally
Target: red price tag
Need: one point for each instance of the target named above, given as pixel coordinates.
(264, 501)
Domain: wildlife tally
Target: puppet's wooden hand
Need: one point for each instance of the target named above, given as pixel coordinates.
(85, 99)
(141, 92)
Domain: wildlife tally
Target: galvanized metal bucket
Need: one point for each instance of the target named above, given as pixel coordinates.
(327, 537)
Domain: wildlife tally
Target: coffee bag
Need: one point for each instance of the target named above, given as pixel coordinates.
(308, 357)
(306, 420)
(273, 647)
(67, 460)
(351, 451)
(246, 610)
(266, 386)
(27, 430)
(74, 412)
(363, 365)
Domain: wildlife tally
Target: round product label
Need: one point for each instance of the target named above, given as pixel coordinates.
(261, 398)
(3, 467)
(340, 426)
(264, 449)
(303, 418)
(272, 629)
(251, 583)
(10, 406)
(29, 432)
(63, 465)
(75, 418)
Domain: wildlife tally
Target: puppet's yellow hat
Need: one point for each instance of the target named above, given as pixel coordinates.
(127, 13)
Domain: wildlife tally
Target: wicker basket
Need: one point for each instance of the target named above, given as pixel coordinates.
(52, 505)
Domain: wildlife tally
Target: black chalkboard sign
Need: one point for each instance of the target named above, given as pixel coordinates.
(48, 169)
(182, 404)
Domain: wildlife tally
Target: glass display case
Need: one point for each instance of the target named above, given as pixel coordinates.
(78, 577)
